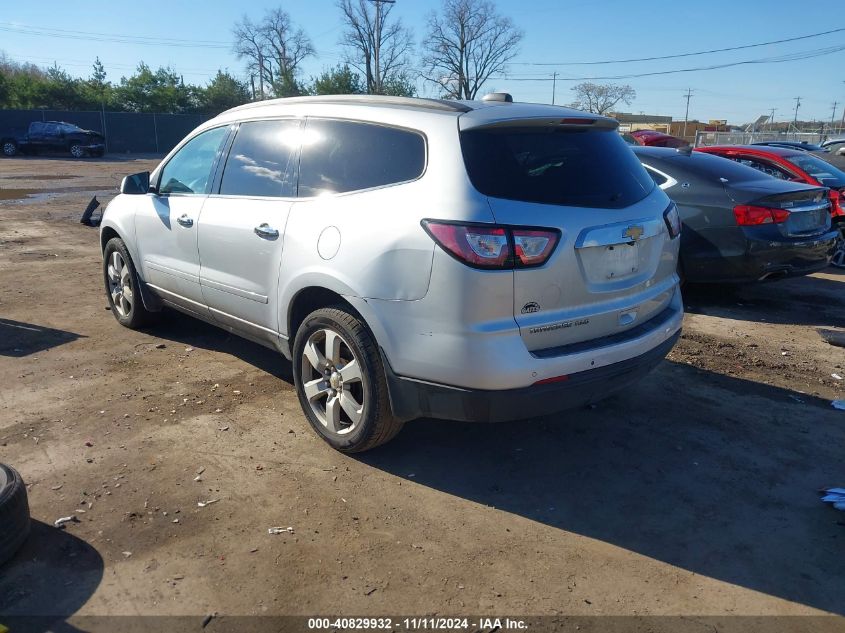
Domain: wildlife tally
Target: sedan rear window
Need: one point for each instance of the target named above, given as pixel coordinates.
(565, 167)
(819, 169)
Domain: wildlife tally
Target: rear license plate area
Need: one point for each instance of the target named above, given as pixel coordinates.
(621, 260)
(806, 221)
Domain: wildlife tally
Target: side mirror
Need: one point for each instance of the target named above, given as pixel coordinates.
(136, 184)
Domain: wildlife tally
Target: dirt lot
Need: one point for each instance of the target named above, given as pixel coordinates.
(693, 494)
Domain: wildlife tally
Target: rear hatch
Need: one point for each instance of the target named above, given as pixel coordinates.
(614, 267)
(799, 210)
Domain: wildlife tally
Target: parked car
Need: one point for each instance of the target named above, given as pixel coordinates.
(652, 138)
(739, 225)
(475, 261)
(801, 146)
(835, 146)
(790, 164)
(52, 137)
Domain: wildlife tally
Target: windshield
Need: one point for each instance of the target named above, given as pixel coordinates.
(819, 169)
(579, 168)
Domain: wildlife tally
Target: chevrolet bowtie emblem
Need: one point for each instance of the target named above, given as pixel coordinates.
(633, 233)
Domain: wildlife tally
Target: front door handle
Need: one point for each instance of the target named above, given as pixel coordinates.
(266, 231)
(184, 220)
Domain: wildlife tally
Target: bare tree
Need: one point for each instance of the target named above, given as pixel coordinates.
(377, 46)
(466, 45)
(274, 49)
(601, 98)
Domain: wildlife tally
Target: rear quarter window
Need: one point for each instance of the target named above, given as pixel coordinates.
(342, 156)
(576, 168)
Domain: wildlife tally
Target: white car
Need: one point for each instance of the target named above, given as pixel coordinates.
(413, 258)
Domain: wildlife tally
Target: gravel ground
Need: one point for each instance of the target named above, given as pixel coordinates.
(694, 493)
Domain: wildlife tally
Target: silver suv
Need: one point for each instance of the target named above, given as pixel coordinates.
(475, 261)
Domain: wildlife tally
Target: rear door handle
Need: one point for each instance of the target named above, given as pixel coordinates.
(184, 220)
(266, 231)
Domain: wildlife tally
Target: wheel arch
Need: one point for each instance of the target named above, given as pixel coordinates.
(311, 298)
(108, 232)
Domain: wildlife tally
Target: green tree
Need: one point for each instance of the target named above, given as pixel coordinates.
(97, 89)
(340, 80)
(156, 91)
(224, 92)
(399, 85)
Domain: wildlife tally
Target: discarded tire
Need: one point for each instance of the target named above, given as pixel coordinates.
(14, 512)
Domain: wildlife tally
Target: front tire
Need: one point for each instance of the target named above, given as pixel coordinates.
(340, 381)
(76, 150)
(123, 288)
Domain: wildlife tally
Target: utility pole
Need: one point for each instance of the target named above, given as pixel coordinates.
(554, 86)
(772, 119)
(377, 47)
(795, 119)
(688, 96)
(261, 74)
(842, 123)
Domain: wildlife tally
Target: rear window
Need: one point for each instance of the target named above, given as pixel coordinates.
(340, 156)
(712, 168)
(575, 168)
(819, 169)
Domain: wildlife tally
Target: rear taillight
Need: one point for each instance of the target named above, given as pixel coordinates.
(836, 203)
(673, 220)
(749, 215)
(494, 246)
(533, 246)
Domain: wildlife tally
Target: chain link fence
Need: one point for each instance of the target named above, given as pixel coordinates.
(746, 138)
(125, 132)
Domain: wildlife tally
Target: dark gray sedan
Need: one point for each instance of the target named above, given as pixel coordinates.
(738, 224)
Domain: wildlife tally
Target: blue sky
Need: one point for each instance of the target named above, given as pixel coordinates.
(555, 31)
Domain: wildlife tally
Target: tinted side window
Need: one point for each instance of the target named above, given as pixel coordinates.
(189, 169)
(766, 168)
(259, 163)
(339, 156)
(563, 167)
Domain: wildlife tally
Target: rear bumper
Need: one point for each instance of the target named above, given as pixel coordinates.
(412, 398)
(756, 259)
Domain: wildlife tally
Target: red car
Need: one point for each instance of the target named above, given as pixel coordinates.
(652, 138)
(798, 166)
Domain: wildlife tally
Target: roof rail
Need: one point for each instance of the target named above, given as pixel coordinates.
(409, 102)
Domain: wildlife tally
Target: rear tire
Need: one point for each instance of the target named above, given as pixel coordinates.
(341, 383)
(10, 148)
(838, 259)
(14, 512)
(123, 287)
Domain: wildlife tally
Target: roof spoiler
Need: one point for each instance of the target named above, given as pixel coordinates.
(574, 121)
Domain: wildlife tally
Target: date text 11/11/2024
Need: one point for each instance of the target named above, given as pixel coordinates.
(417, 624)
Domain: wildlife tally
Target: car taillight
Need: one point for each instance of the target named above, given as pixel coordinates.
(836, 203)
(494, 246)
(673, 220)
(533, 246)
(749, 215)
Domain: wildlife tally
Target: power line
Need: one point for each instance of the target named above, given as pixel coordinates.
(678, 55)
(118, 39)
(764, 60)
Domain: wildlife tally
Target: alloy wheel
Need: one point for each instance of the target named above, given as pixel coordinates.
(120, 284)
(332, 382)
(76, 151)
(9, 149)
